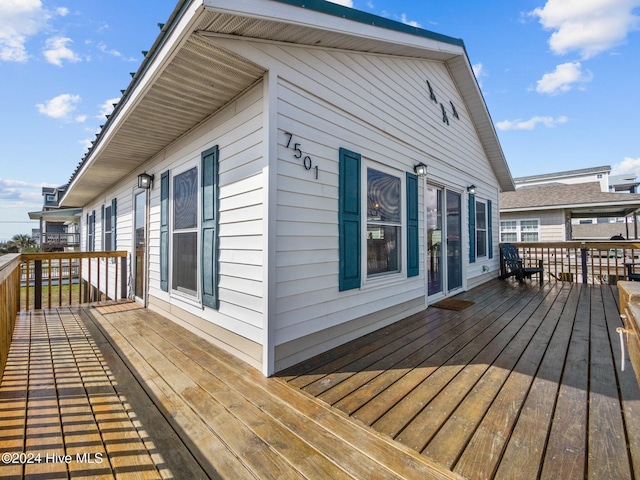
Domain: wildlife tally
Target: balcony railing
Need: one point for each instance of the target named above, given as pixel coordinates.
(60, 240)
(45, 280)
(582, 262)
(9, 302)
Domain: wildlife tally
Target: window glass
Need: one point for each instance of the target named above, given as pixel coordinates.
(185, 234)
(383, 197)
(383, 222)
(185, 198)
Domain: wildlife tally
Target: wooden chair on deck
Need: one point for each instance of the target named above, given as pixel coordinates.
(512, 264)
(631, 275)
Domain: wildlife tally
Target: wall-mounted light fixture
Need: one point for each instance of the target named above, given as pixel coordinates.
(471, 189)
(420, 169)
(145, 181)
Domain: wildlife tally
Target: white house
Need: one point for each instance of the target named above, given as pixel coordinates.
(285, 215)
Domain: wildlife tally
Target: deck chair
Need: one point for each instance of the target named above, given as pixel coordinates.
(631, 275)
(513, 264)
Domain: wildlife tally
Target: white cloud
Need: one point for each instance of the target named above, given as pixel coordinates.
(20, 191)
(59, 107)
(103, 48)
(403, 19)
(19, 20)
(346, 3)
(563, 78)
(479, 72)
(107, 107)
(587, 26)
(628, 165)
(57, 50)
(533, 122)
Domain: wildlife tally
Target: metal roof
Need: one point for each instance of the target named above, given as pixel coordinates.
(185, 77)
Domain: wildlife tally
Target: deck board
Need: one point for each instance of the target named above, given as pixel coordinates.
(526, 383)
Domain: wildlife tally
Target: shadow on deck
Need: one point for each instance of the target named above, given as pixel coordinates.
(525, 383)
(121, 392)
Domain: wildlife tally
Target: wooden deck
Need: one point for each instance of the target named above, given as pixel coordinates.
(120, 392)
(524, 384)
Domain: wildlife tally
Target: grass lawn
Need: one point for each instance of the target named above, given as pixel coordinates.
(55, 296)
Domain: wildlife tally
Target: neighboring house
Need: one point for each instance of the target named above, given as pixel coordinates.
(59, 226)
(557, 212)
(261, 169)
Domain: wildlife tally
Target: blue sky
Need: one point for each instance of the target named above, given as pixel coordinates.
(560, 78)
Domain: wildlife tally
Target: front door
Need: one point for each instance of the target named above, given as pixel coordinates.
(444, 248)
(140, 244)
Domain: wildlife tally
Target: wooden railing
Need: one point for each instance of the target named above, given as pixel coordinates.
(9, 302)
(582, 262)
(61, 238)
(69, 278)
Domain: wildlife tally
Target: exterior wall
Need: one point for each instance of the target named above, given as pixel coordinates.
(602, 177)
(378, 106)
(238, 131)
(552, 223)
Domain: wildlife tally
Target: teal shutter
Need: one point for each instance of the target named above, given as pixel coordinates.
(413, 252)
(472, 228)
(349, 219)
(114, 216)
(164, 231)
(92, 229)
(489, 229)
(209, 235)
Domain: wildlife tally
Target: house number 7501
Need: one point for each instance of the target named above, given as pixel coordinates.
(307, 163)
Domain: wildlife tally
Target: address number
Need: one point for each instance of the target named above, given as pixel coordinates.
(307, 163)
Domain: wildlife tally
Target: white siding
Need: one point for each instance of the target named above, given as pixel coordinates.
(378, 106)
(552, 223)
(238, 132)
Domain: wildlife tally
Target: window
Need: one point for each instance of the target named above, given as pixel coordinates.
(185, 232)
(509, 231)
(520, 230)
(383, 223)
(381, 232)
(481, 229)
(529, 230)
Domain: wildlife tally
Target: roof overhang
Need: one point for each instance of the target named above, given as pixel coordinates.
(185, 78)
(585, 210)
(58, 215)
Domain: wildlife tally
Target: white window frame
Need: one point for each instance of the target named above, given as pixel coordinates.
(400, 274)
(189, 297)
(518, 230)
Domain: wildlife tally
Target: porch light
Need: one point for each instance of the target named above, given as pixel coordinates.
(420, 169)
(471, 189)
(145, 181)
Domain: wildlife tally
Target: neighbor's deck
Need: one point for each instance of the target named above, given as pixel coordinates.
(525, 383)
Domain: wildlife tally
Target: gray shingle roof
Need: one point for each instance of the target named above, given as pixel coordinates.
(554, 194)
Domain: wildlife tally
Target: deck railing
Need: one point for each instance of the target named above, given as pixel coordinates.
(68, 278)
(9, 302)
(582, 262)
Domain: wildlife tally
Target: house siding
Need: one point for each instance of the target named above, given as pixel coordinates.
(379, 107)
(238, 132)
(552, 223)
